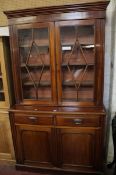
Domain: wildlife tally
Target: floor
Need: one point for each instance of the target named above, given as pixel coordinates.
(10, 170)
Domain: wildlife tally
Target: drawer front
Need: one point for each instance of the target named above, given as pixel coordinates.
(80, 120)
(34, 119)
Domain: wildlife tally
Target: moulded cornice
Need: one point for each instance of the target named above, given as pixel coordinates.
(93, 6)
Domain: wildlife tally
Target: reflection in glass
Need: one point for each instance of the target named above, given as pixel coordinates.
(35, 63)
(77, 44)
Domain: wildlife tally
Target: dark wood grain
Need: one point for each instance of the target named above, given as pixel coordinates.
(77, 142)
(60, 133)
(95, 6)
(34, 145)
(78, 121)
(11, 170)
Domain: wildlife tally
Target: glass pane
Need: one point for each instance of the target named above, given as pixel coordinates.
(78, 63)
(2, 97)
(35, 63)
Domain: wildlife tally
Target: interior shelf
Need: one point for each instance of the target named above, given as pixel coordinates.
(41, 44)
(79, 64)
(83, 84)
(44, 83)
(71, 44)
(23, 65)
(39, 98)
(76, 100)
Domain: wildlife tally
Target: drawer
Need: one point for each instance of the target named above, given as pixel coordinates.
(89, 121)
(34, 119)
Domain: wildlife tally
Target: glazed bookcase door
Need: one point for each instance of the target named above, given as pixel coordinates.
(36, 60)
(76, 61)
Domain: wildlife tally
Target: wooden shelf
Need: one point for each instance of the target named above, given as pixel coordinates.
(43, 84)
(76, 100)
(47, 65)
(79, 64)
(84, 46)
(34, 65)
(83, 84)
(68, 84)
(39, 98)
(67, 44)
(41, 44)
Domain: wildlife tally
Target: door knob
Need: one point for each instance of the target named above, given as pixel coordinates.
(78, 121)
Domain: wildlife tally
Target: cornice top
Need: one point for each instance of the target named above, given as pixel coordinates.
(93, 6)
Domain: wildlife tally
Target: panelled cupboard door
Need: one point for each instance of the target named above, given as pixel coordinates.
(76, 54)
(79, 148)
(34, 145)
(36, 64)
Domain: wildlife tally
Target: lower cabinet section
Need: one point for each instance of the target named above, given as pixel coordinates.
(79, 148)
(58, 143)
(6, 146)
(34, 145)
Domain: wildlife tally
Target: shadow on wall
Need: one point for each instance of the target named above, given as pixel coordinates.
(110, 63)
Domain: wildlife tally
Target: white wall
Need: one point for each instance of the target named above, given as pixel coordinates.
(4, 31)
(110, 71)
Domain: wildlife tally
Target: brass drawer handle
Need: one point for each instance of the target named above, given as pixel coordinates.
(54, 110)
(78, 121)
(32, 118)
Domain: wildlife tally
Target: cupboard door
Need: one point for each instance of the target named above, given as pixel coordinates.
(76, 61)
(37, 63)
(79, 148)
(34, 145)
